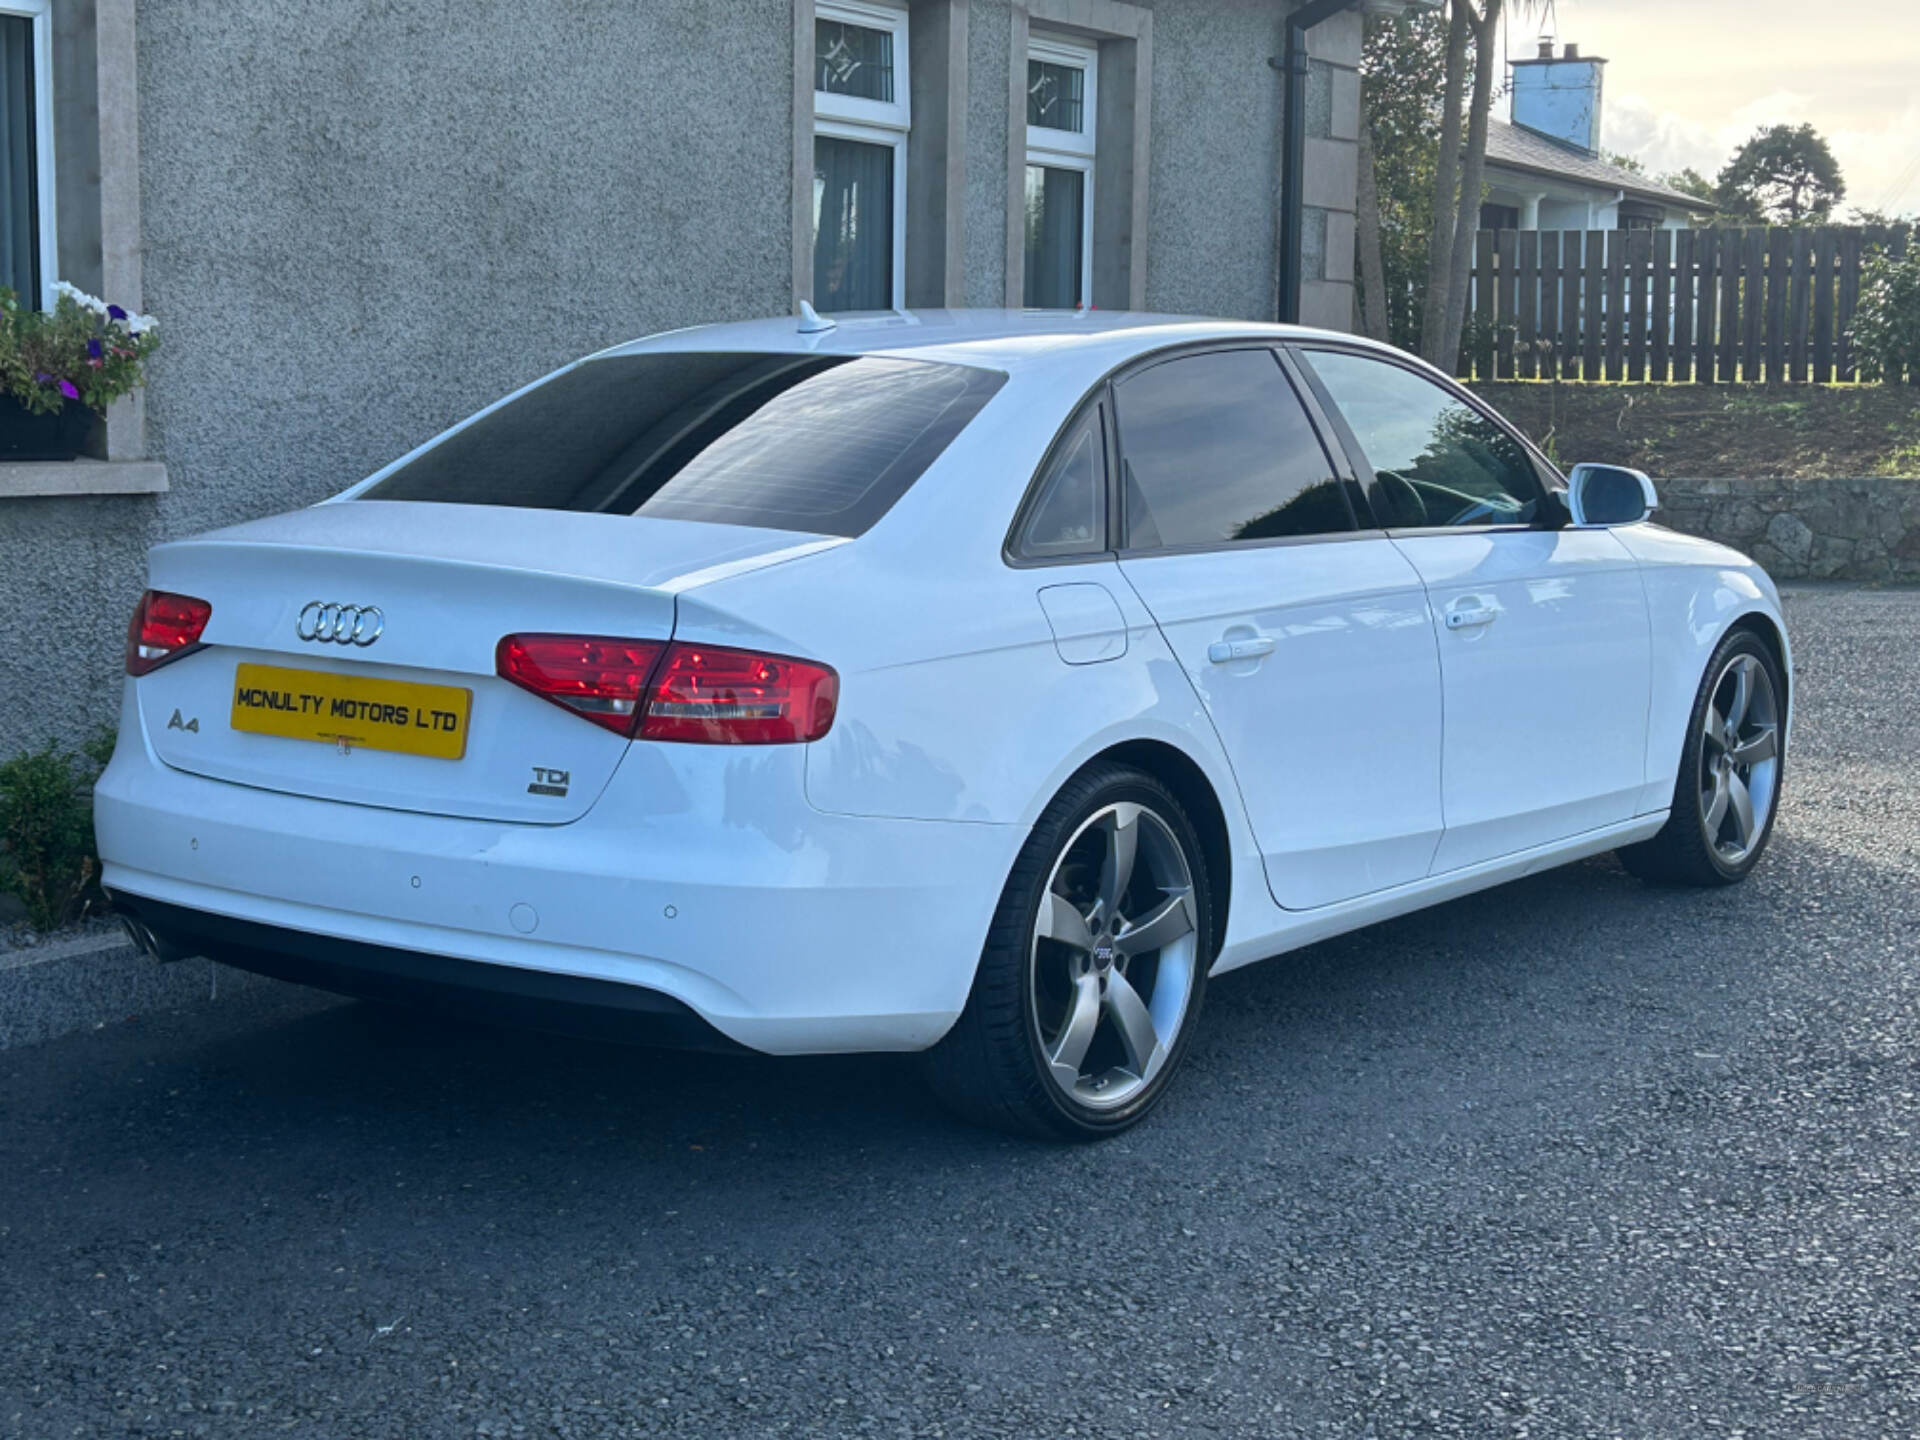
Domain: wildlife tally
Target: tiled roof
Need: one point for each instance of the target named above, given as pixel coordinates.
(1518, 148)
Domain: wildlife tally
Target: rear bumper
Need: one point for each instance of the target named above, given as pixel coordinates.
(571, 1004)
(701, 877)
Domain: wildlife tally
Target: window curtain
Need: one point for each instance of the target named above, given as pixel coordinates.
(19, 220)
(1056, 204)
(852, 225)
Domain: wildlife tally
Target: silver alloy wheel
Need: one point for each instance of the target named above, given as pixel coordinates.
(1113, 956)
(1739, 759)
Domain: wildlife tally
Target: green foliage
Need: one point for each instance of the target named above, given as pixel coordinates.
(1886, 324)
(1620, 160)
(83, 350)
(1784, 175)
(47, 855)
(1480, 341)
(1403, 69)
(1689, 182)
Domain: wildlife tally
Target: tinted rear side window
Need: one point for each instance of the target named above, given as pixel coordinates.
(789, 442)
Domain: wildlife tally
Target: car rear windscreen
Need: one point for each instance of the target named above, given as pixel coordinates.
(821, 443)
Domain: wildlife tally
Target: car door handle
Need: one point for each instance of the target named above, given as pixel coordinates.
(1465, 616)
(1225, 652)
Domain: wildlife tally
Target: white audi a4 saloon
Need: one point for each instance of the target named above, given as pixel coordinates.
(970, 683)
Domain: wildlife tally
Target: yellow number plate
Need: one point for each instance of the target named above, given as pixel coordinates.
(372, 714)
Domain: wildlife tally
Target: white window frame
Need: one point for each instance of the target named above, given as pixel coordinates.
(40, 13)
(872, 122)
(1069, 149)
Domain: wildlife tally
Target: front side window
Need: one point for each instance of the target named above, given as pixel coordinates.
(1215, 448)
(861, 121)
(1061, 81)
(1436, 460)
(26, 153)
(817, 443)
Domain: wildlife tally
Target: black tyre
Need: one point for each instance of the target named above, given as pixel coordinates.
(1731, 772)
(1094, 968)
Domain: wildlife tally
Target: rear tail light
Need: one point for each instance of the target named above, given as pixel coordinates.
(699, 694)
(594, 676)
(736, 697)
(164, 627)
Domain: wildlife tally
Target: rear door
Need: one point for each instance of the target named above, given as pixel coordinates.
(1306, 637)
(1545, 649)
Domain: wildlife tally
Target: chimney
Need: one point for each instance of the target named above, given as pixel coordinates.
(1546, 47)
(1560, 96)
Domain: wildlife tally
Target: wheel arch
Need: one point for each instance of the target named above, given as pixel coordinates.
(1181, 774)
(1765, 629)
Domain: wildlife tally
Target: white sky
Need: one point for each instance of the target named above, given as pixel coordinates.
(1691, 79)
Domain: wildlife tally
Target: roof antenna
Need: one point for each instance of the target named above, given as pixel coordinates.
(812, 322)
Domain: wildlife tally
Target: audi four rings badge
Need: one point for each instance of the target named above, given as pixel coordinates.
(341, 624)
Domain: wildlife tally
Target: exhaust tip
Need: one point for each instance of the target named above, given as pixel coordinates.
(151, 945)
(141, 937)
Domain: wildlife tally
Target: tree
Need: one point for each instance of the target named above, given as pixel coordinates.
(1784, 175)
(1472, 35)
(1402, 71)
(1455, 59)
(1886, 327)
(1689, 182)
(1629, 163)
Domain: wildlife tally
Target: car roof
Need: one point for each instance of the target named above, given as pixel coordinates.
(1013, 341)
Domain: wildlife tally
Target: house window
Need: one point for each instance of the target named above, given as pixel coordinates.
(1499, 217)
(1060, 153)
(27, 245)
(861, 119)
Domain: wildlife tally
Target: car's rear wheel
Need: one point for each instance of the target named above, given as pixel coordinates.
(1731, 770)
(1094, 969)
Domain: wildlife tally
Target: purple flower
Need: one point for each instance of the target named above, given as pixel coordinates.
(114, 312)
(41, 377)
(66, 389)
(93, 349)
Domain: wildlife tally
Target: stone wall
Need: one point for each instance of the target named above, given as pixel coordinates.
(1865, 529)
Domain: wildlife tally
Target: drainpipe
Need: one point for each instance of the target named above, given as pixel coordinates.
(1293, 70)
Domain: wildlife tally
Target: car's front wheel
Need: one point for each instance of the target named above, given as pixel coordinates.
(1731, 771)
(1094, 968)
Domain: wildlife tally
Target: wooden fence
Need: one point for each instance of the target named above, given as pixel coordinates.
(1705, 306)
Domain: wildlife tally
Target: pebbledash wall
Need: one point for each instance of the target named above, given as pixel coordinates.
(359, 220)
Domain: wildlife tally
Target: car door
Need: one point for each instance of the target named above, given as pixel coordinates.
(1306, 638)
(1545, 651)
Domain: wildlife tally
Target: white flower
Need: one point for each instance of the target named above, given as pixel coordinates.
(80, 297)
(141, 324)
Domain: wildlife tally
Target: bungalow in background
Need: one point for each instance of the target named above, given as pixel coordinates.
(1546, 170)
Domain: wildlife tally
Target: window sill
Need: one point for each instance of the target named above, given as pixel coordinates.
(82, 477)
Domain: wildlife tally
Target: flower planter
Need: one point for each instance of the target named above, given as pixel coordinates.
(58, 435)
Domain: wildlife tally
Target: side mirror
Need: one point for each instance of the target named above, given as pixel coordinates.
(1600, 495)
